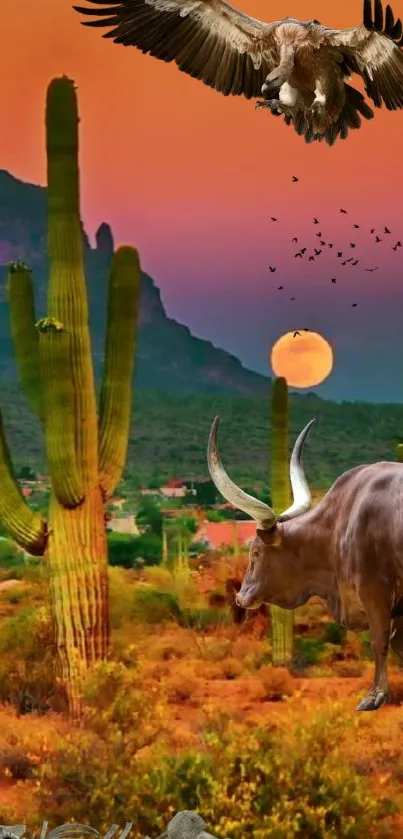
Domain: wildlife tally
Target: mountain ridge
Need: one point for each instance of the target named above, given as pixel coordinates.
(168, 356)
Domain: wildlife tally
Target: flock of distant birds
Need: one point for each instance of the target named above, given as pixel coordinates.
(302, 252)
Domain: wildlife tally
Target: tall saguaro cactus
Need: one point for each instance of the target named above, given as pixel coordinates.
(85, 446)
(281, 619)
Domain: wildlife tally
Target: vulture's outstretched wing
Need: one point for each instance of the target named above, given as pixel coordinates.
(374, 46)
(208, 39)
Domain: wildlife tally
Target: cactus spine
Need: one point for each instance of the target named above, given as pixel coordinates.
(85, 456)
(281, 619)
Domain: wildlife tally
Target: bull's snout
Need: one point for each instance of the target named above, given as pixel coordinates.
(248, 597)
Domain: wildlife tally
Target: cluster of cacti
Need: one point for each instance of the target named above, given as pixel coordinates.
(86, 446)
(281, 619)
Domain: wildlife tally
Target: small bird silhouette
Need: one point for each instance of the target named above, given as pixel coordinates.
(273, 219)
(296, 333)
(355, 262)
(352, 244)
(353, 305)
(292, 298)
(350, 259)
(333, 280)
(316, 221)
(330, 244)
(295, 239)
(373, 229)
(294, 179)
(339, 253)
(305, 329)
(345, 262)
(311, 259)
(303, 250)
(321, 242)
(371, 269)
(299, 254)
(398, 244)
(272, 269)
(378, 239)
(319, 235)
(280, 288)
(386, 230)
(317, 251)
(356, 226)
(344, 211)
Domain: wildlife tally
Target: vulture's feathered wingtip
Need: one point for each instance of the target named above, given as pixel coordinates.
(381, 22)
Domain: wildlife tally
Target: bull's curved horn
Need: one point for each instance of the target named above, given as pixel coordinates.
(300, 490)
(261, 513)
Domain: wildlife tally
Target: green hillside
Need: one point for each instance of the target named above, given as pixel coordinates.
(169, 435)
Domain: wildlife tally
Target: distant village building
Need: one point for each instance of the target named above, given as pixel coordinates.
(223, 534)
(153, 492)
(123, 524)
(175, 488)
(197, 513)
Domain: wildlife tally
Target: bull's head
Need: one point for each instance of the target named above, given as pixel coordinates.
(270, 576)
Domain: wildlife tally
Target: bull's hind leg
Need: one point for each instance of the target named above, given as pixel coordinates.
(377, 605)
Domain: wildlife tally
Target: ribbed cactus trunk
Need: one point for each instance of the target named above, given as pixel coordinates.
(85, 448)
(281, 619)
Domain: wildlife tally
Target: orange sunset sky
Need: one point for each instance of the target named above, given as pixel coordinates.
(192, 178)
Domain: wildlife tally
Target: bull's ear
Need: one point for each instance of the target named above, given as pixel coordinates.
(270, 536)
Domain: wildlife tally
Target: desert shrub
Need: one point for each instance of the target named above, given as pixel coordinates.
(115, 697)
(121, 598)
(180, 687)
(277, 682)
(154, 606)
(365, 641)
(287, 784)
(348, 668)
(200, 618)
(396, 689)
(351, 647)
(212, 648)
(15, 762)
(334, 633)
(251, 652)
(159, 578)
(307, 652)
(28, 680)
(230, 668)
(165, 649)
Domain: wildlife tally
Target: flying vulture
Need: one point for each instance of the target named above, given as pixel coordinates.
(300, 68)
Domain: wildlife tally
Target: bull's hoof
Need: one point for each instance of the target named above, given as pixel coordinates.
(373, 700)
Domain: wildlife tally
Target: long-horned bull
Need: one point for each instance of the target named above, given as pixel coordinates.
(348, 550)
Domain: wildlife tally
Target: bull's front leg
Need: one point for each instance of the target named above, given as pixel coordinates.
(378, 610)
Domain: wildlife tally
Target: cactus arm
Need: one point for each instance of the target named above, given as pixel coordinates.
(115, 401)
(67, 292)
(26, 527)
(24, 335)
(54, 346)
